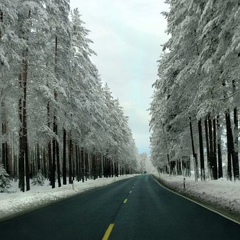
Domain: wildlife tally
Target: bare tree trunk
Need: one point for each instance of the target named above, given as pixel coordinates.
(207, 142)
(235, 148)
(201, 150)
(77, 163)
(229, 143)
(64, 158)
(82, 167)
(70, 159)
(220, 172)
(212, 147)
(49, 146)
(214, 160)
(58, 165)
(21, 165)
(24, 118)
(193, 151)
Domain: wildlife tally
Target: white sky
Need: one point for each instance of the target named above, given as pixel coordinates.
(127, 36)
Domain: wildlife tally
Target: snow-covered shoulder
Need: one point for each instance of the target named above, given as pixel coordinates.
(221, 193)
(16, 202)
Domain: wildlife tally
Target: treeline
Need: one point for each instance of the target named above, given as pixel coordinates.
(194, 110)
(56, 116)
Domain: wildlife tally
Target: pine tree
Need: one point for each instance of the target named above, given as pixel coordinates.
(4, 180)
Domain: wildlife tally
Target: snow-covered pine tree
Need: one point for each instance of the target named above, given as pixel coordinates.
(9, 43)
(39, 179)
(200, 65)
(5, 182)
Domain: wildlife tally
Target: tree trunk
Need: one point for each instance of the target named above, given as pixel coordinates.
(64, 157)
(58, 165)
(212, 147)
(193, 151)
(235, 135)
(235, 147)
(21, 165)
(214, 160)
(229, 143)
(77, 163)
(70, 159)
(25, 132)
(207, 142)
(82, 167)
(49, 146)
(53, 161)
(201, 150)
(220, 172)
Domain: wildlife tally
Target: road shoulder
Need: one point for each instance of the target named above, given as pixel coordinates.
(222, 210)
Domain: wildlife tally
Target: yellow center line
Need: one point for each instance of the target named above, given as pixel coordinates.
(125, 201)
(108, 232)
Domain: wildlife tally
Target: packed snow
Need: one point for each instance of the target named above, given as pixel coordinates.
(222, 195)
(16, 202)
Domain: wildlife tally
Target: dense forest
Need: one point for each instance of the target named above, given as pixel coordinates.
(194, 110)
(58, 120)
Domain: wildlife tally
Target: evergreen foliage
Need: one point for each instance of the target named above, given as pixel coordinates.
(196, 95)
(5, 183)
(39, 179)
(55, 113)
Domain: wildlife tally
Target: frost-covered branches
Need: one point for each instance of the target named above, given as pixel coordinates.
(198, 82)
(56, 116)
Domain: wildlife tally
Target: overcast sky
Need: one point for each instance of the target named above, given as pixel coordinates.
(127, 36)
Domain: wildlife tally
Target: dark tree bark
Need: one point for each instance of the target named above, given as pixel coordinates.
(64, 166)
(25, 131)
(38, 157)
(5, 145)
(23, 146)
(73, 162)
(201, 150)
(207, 141)
(70, 177)
(235, 147)
(193, 150)
(214, 160)
(49, 147)
(45, 167)
(87, 170)
(235, 140)
(53, 161)
(229, 143)
(220, 172)
(21, 164)
(210, 132)
(94, 166)
(212, 147)
(82, 167)
(77, 163)
(58, 165)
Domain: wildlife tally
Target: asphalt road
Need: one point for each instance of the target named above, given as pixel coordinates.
(135, 209)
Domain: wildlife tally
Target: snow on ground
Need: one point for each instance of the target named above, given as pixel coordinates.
(221, 194)
(16, 202)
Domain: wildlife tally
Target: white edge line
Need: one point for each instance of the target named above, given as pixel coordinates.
(212, 210)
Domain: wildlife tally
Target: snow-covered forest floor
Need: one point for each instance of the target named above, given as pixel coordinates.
(16, 202)
(220, 195)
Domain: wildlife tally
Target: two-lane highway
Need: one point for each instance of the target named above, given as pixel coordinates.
(136, 209)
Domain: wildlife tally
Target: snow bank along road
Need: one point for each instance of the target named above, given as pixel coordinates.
(136, 209)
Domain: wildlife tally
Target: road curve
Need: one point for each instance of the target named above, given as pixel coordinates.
(136, 209)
